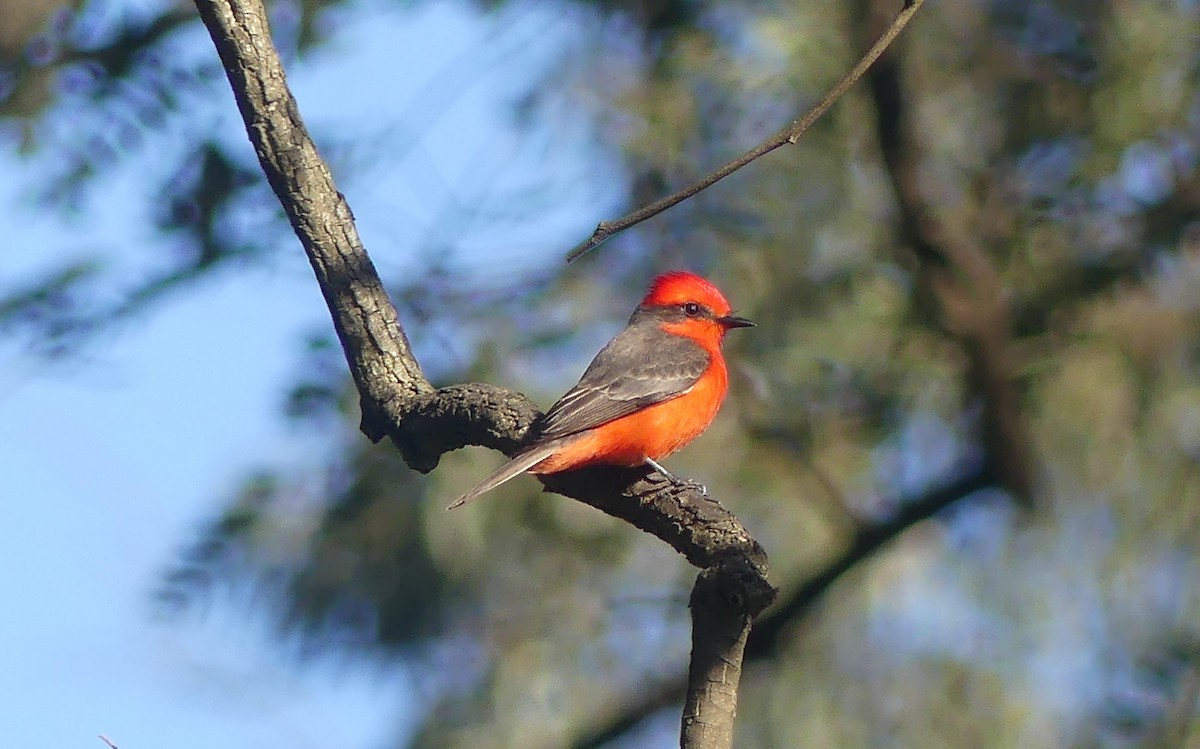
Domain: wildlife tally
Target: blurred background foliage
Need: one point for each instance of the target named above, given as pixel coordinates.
(976, 371)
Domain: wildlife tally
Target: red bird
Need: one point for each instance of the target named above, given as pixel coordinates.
(651, 390)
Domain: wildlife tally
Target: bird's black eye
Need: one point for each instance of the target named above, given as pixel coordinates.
(691, 309)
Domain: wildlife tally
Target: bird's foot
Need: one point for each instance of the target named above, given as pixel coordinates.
(686, 483)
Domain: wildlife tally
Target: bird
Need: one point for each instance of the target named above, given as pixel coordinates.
(652, 389)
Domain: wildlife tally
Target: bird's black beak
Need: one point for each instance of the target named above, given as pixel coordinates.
(730, 321)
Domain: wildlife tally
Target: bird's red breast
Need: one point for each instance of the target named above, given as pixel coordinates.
(653, 432)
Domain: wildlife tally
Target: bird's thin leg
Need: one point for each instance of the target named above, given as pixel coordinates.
(655, 465)
(673, 478)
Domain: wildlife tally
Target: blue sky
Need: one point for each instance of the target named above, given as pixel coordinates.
(113, 458)
(110, 462)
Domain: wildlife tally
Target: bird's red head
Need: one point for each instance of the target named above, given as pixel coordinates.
(704, 309)
(680, 287)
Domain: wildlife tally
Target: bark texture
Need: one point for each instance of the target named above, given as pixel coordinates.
(424, 423)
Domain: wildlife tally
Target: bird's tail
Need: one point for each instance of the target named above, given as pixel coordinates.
(515, 467)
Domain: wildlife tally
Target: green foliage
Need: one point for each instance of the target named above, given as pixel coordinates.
(1062, 135)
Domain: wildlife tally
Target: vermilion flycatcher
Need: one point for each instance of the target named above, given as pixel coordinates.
(651, 390)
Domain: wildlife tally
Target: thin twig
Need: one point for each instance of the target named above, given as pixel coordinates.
(790, 134)
(108, 741)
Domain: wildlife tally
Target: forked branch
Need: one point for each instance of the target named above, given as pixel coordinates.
(424, 422)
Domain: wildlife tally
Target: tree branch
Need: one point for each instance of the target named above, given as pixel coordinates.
(381, 361)
(867, 540)
(724, 603)
(788, 135)
(765, 639)
(956, 271)
(398, 402)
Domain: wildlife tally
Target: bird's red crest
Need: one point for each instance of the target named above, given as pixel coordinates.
(678, 287)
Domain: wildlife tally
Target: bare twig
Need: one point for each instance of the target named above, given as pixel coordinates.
(789, 135)
(106, 740)
(424, 423)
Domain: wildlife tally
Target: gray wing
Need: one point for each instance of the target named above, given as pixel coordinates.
(642, 366)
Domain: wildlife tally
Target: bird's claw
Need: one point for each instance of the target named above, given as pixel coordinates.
(689, 484)
(676, 481)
